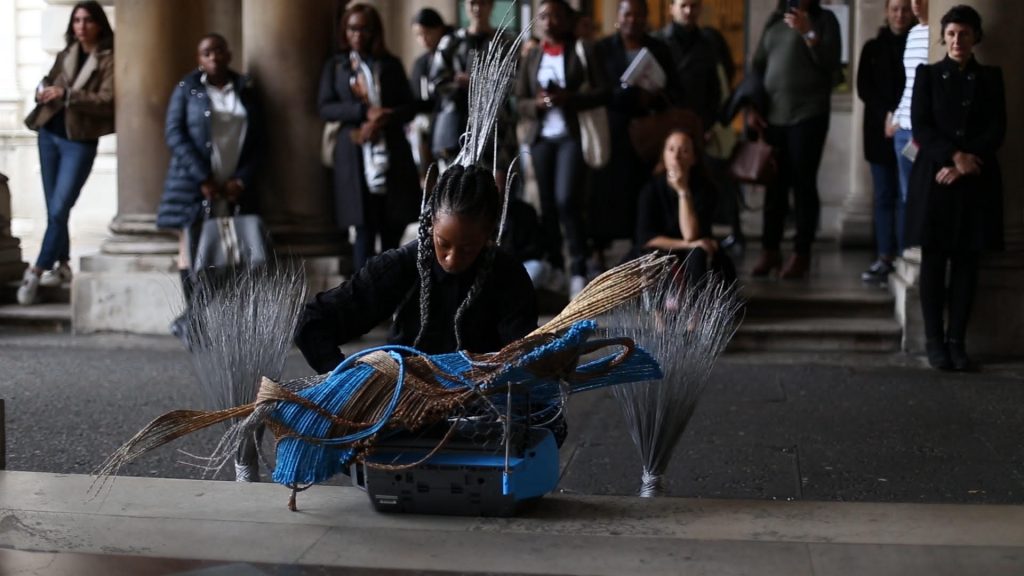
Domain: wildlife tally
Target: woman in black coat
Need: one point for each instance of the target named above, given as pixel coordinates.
(365, 88)
(548, 98)
(213, 131)
(615, 187)
(955, 199)
(880, 81)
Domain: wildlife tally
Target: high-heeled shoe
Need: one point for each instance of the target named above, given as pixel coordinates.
(769, 260)
(938, 355)
(958, 358)
(796, 267)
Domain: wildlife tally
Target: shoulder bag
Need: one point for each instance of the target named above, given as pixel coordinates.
(595, 135)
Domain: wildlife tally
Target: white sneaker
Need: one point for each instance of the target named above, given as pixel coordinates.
(56, 277)
(29, 288)
(576, 285)
(247, 472)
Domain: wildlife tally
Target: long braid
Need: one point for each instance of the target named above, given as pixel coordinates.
(478, 283)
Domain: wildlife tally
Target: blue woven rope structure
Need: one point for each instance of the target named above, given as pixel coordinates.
(314, 446)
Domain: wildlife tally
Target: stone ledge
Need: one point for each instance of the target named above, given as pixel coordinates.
(336, 526)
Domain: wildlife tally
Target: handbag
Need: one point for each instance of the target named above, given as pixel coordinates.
(595, 135)
(647, 134)
(328, 141)
(753, 162)
(229, 242)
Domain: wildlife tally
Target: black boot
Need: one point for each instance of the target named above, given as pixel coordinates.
(958, 357)
(938, 355)
(179, 326)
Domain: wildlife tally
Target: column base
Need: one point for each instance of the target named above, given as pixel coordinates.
(137, 294)
(997, 320)
(856, 231)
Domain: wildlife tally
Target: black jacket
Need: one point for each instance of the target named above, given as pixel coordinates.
(957, 110)
(658, 212)
(187, 133)
(505, 309)
(336, 102)
(880, 82)
(694, 81)
(527, 88)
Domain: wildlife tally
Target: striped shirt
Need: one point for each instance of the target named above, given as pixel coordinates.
(915, 53)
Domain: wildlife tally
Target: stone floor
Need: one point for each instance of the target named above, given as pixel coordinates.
(181, 524)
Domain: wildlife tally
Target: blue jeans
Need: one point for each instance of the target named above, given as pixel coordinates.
(888, 211)
(558, 165)
(899, 141)
(65, 165)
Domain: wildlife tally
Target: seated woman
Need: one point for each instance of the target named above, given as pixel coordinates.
(450, 290)
(675, 211)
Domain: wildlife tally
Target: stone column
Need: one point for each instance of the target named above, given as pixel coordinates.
(286, 45)
(997, 322)
(856, 224)
(132, 285)
(11, 266)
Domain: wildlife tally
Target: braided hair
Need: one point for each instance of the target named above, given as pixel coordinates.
(461, 191)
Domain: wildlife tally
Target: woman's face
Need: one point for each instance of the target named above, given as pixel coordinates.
(458, 241)
(428, 38)
(899, 15)
(552, 21)
(678, 154)
(358, 33)
(632, 19)
(86, 30)
(214, 56)
(960, 41)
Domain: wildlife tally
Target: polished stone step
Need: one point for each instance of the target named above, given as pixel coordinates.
(49, 316)
(780, 301)
(818, 335)
(47, 294)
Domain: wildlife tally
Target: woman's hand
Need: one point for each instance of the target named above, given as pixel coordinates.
(378, 115)
(948, 175)
(798, 20)
(890, 128)
(233, 190)
(368, 132)
(710, 245)
(755, 120)
(209, 189)
(49, 94)
(967, 163)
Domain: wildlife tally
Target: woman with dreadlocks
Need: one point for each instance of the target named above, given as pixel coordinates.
(450, 290)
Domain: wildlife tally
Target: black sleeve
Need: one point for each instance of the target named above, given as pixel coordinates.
(399, 98)
(334, 106)
(991, 137)
(339, 315)
(518, 313)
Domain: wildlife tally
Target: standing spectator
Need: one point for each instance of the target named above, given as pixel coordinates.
(798, 60)
(549, 95)
(695, 84)
(365, 88)
(955, 206)
(429, 29)
(612, 202)
(212, 131)
(880, 80)
(452, 81)
(914, 54)
(74, 107)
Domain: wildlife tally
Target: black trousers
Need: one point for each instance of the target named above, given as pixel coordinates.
(798, 150)
(376, 221)
(558, 165)
(957, 297)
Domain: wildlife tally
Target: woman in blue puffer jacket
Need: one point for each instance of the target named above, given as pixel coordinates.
(212, 131)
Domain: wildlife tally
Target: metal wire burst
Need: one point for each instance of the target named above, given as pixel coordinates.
(685, 329)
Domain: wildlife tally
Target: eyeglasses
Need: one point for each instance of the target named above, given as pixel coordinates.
(358, 29)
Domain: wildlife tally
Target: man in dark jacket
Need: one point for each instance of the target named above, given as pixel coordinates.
(880, 80)
(695, 83)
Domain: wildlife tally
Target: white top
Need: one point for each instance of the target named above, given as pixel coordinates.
(915, 53)
(228, 124)
(552, 72)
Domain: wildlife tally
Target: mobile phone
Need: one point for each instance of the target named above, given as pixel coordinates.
(792, 5)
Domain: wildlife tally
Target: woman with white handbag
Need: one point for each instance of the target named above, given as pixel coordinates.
(559, 85)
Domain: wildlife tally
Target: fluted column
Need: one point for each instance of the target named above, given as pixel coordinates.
(997, 321)
(856, 224)
(286, 44)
